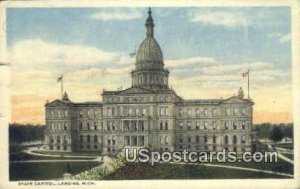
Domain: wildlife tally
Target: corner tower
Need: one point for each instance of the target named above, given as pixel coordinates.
(149, 67)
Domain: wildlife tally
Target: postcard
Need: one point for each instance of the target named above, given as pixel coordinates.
(150, 94)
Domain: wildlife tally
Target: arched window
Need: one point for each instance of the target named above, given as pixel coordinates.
(226, 139)
(51, 139)
(167, 140)
(234, 125)
(234, 139)
(58, 139)
(243, 140)
(214, 139)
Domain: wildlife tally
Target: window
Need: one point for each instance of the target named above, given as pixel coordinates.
(243, 125)
(180, 139)
(88, 125)
(66, 113)
(95, 125)
(109, 112)
(243, 141)
(197, 112)
(89, 113)
(127, 140)
(88, 138)
(235, 111)
(95, 138)
(197, 125)
(226, 125)
(205, 125)
(197, 139)
(180, 113)
(189, 139)
(58, 113)
(214, 125)
(234, 140)
(141, 140)
(167, 140)
(205, 112)
(227, 111)
(108, 126)
(188, 125)
(81, 138)
(144, 111)
(80, 126)
(214, 139)
(113, 126)
(234, 125)
(180, 125)
(226, 139)
(166, 125)
(205, 139)
(189, 112)
(108, 141)
(214, 112)
(52, 113)
(81, 113)
(243, 111)
(66, 126)
(161, 125)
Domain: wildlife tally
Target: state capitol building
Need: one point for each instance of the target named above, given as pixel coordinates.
(149, 114)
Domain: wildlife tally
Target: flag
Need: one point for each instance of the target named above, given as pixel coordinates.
(60, 78)
(132, 55)
(245, 74)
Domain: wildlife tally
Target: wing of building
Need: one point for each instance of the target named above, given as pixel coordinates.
(149, 114)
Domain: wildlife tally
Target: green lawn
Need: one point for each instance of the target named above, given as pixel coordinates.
(46, 171)
(137, 171)
(290, 156)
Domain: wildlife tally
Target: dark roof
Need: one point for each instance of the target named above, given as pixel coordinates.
(88, 104)
(200, 101)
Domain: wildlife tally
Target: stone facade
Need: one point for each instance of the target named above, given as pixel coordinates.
(149, 114)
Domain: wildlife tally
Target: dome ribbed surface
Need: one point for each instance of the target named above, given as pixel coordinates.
(149, 52)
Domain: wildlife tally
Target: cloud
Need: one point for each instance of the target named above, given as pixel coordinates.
(285, 38)
(116, 14)
(220, 18)
(198, 60)
(281, 37)
(38, 55)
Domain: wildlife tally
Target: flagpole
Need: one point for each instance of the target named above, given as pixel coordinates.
(248, 83)
(62, 88)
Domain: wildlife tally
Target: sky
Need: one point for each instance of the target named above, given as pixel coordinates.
(206, 50)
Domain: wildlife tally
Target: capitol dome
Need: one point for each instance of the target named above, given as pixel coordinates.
(149, 51)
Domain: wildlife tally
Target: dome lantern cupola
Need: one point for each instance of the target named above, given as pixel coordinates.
(149, 67)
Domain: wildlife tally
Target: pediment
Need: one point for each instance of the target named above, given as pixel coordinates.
(236, 100)
(58, 103)
(136, 90)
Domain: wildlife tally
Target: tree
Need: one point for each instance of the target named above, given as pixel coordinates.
(277, 134)
(288, 131)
